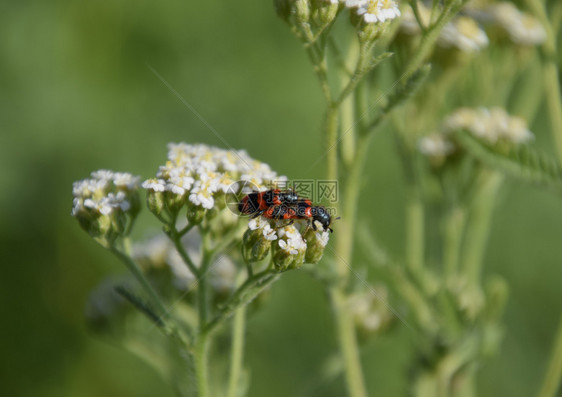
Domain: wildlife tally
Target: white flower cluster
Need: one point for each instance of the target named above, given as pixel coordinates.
(291, 240)
(369, 309)
(490, 125)
(262, 224)
(199, 172)
(375, 11)
(463, 32)
(522, 28)
(435, 145)
(104, 193)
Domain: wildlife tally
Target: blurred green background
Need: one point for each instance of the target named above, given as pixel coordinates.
(77, 94)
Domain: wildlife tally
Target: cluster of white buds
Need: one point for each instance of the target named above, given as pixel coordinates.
(462, 33)
(490, 125)
(317, 14)
(370, 310)
(374, 11)
(203, 178)
(106, 204)
(290, 244)
(522, 28)
(493, 126)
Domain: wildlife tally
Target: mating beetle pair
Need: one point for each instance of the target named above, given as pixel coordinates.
(280, 204)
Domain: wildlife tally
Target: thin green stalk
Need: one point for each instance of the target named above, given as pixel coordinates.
(348, 344)
(346, 226)
(417, 15)
(175, 236)
(415, 211)
(203, 339)
(552, 87)
(453, 230)
(348, 113)
(430, 36)
(201, 364)
(338, 57)
(361, 69)
(257, 283)
(344, 247)
(449, 366)
(237, 351)
(478, 226)
(320, 66)
(202, 298)
(331, 139)
(415, 232)
(550, 73)
(553, 376)
(138, 274)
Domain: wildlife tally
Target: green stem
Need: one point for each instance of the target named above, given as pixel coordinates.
(348, 344)
(417, 15)
(202, 298)
(550, 72)
(255, 284)
(479, 225)
(237, 352)
(344, 247)
(430, 37)
(453, 230)
(552, 87)
(318, 59)
(175, 236)
(331, 139)
(361, 69)
(553, 376)
(138, 274)
(203, 340)
(346, 226)
(201, 364)
(414, 230)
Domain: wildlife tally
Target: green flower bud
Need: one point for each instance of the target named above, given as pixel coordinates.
(289, 251)
(302, 10)
(195, 214)
(174, 202)
(283, 8)
(155, 201)
(255, 245)
(315, 243)
(324, 11)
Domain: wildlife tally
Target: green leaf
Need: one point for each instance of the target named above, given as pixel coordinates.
(522, 162)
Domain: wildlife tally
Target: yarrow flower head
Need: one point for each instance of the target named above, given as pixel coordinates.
(505, 18)
(106, 204)
(291, 243)
(200, 177)
(462, 33)
(369, 310)
(492, 126)
(522, 28)
(289, 252)
(376, 11)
